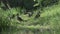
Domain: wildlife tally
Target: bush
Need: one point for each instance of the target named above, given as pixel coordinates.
(19, 3)
(45, 3)
(29, 4)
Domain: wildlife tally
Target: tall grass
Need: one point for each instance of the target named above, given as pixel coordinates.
(47, 23)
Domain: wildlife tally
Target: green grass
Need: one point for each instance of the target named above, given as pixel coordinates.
(47, 23)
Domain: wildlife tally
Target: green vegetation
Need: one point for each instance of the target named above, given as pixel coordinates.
(30, 17)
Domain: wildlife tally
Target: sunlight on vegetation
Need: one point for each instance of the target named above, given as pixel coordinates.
(30, 17)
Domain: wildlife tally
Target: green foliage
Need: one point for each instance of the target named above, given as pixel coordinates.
(31, 4)
(49, 2)
(47, 23)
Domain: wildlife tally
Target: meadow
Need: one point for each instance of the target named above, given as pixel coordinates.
(47, 23)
